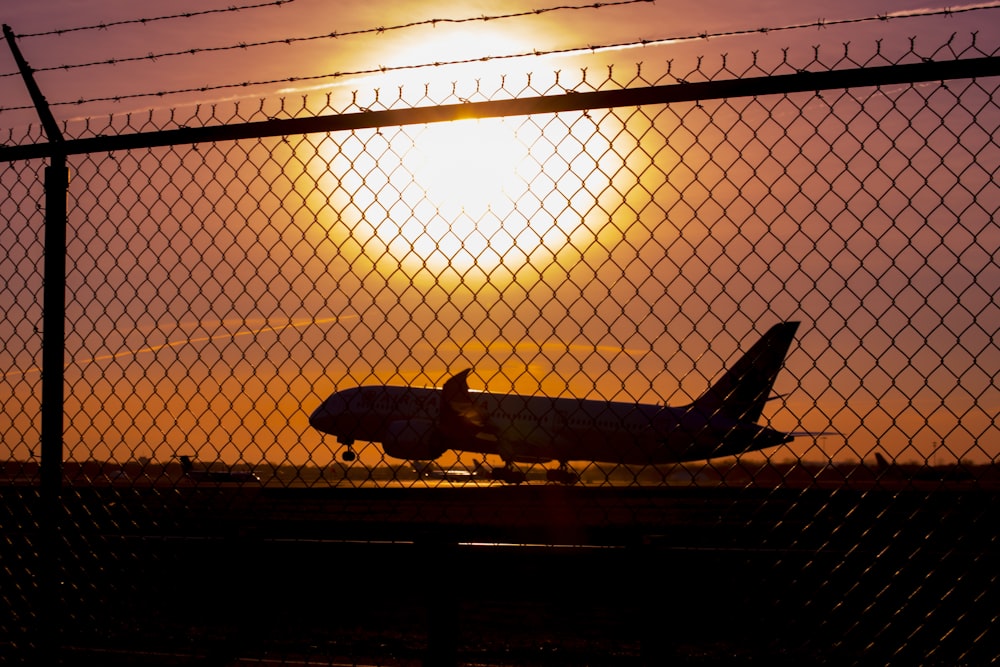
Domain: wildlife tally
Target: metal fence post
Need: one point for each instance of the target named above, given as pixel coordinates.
(50, 518)
(54, 298)
(46, 641)
(53, 334)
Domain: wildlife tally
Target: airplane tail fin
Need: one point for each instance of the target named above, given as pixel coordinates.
(886, 469)
(741, 393)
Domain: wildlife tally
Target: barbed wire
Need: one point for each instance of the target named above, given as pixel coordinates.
(144, 21)
(382, 69)
(330, 35)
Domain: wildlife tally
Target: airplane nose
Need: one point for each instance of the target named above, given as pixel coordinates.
(325, 417)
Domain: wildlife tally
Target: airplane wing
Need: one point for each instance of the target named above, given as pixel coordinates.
(469, 426)
(458, 413)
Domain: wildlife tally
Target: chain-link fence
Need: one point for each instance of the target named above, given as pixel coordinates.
(621, 239)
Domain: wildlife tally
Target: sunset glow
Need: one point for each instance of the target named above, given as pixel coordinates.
(461, 181)
(462, 199)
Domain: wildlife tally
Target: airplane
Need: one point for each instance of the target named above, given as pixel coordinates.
(420, 424)
(429, 470)
(914, 472)
(215, 475)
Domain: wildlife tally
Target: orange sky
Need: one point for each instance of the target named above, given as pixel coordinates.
(220, 296)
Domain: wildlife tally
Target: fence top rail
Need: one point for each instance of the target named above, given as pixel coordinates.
(573, 101)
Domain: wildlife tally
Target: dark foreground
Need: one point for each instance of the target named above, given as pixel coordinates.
(545, 575)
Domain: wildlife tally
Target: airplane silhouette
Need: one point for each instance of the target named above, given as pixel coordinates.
(914, 472)
(430, 470)
(187, 466)
(422, 423)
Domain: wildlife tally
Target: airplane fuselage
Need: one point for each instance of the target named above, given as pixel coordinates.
(406, 420)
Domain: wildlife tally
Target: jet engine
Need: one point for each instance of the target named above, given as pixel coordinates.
(413, 439)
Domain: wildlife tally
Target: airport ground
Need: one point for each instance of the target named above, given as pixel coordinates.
(408, 574)
(730, 472)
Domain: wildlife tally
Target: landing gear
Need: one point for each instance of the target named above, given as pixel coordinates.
(348, 455)
(508, 474)
(562, 475)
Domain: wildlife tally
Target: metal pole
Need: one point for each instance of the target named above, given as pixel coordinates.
(46, 641)
(41, 105)
(53, 327)
(54, 295)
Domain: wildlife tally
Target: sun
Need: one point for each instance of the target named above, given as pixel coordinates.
(478, 199)
(468, 168)
(447, 199)
(459, 186)
(474, 199)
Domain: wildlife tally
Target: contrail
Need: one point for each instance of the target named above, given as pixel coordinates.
(954, 9)
(294, 324)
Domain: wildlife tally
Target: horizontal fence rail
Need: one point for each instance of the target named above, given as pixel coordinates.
(779, 84)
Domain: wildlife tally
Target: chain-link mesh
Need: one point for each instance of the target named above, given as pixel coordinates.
(217, 293)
